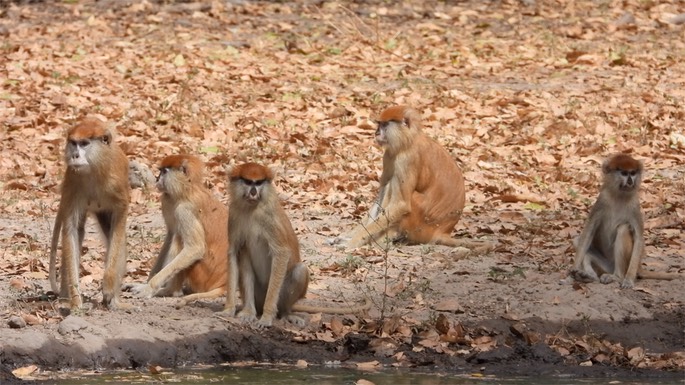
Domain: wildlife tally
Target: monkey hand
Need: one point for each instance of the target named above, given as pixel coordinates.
(229, 311)
(265, 321)
(583, 276)
(246, 316)
(608, 278)
(627, 283)
(295, 320)
(339, 240)
(142, 290)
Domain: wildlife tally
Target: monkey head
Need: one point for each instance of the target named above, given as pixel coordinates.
(248, 182)
(177, 173)
(397, 126)
(622, 172)
(88, 145)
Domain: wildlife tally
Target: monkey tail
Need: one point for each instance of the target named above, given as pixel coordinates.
(53, 255)
(475, 245)
(333, 309)
(646, 274)
(218, 292)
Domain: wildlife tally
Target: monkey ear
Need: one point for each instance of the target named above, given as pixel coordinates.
(107, 137)
(406, 121)
(605, 167)
(184, 167)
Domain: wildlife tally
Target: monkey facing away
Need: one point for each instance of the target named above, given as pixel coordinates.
(265, 254)
(196, 245)
(96, 181)
(611, 245)
(421, 195)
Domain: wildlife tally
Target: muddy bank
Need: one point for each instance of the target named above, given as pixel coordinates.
(105, 340)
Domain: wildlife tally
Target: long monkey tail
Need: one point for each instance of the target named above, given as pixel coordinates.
(646, 274)
(333, 309)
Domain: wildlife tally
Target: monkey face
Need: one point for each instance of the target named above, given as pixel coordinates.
(381, 133)
(388, 133)
(160, 183)
(628, 179)
(82, 154)
(171, 181)
(252, 189)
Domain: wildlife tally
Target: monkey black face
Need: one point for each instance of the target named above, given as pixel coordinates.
(628, 179)
(382, 132)
(76, 154)
(252, 189)
(160, 182)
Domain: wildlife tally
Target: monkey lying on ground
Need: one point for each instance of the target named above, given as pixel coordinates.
(265, 254)
(611, 245)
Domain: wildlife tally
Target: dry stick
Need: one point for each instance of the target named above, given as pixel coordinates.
(363, 38)
(386, 258)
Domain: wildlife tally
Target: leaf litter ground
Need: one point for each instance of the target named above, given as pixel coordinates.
(528, 96)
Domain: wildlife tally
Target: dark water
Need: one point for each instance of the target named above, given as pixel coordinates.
(325, 376)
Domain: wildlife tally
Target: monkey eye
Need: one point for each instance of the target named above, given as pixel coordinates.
(79, 143)
(162, 171)
(628, 173)
(255, 183)
(383, 125)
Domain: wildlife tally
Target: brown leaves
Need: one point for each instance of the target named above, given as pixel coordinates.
(528, 98)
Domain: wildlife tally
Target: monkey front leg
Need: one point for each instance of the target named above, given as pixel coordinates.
(115, 262)
(232, 282)
(186, 258)
(364, 234)
(279, 269)
(627, 255)
(71, 255)
(248, 313)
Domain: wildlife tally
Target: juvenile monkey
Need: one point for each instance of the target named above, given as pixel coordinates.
(196, 245)
(265, 254)
(421, 194)
(96, 181)
(611, 244)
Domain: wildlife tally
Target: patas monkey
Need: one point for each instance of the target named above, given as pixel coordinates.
(421, 194)
(611, 244)
(96, 181)
(196, 245)
(264, 253)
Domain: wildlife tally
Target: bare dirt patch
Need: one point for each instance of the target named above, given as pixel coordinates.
(528, 96)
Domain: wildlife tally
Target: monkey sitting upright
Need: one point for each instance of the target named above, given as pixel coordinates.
(264, 254)
(196, 246)
(611, 244)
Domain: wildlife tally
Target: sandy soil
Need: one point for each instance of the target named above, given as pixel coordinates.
(502, 313)
(505, 301)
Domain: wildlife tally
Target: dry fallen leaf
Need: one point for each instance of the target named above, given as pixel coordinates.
(25, 371)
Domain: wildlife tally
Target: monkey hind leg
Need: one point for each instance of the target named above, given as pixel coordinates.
(294, 288)
(215, 293)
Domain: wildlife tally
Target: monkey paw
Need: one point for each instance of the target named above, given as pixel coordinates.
(608, 278)
(583, 276)
(246, 317)
(627, 284)
(265, 322)
(142, 290)
(295, 320)
(340, 240)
